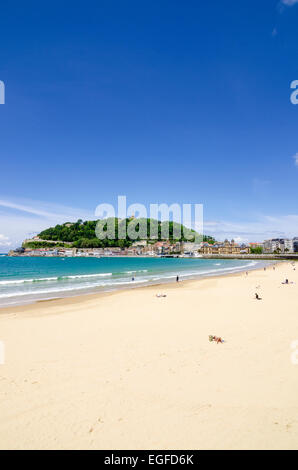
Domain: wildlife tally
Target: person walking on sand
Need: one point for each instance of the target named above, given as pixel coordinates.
(177, 279)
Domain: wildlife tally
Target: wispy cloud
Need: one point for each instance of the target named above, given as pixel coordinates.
(286, 4)
(20, 219)
(296, 159)
(27, 209)
(4, 241)
(262, 228)
(289, 3)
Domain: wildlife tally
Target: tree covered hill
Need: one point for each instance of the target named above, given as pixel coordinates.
(83, 235)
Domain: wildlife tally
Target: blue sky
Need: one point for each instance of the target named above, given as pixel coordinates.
(168, 101)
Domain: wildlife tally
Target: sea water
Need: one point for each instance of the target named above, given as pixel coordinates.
(27, 279)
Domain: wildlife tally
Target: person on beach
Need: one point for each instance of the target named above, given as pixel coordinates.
(177, 279)
(257, 296)
(132, 278)
(217, 339)
(287, 282)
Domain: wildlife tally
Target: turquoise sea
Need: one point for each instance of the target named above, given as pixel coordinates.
(24, 280)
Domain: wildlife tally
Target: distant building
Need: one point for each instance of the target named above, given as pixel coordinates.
(191, 248)
(295, 244)
(288, 246)
(244, 249)
(272, 245)
(279, 245)
(226, 248)
(161, 248)
(141, 244)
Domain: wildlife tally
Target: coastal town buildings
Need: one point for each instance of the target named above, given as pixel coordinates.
(279, 245)
(288, 246)
(164, 248)
(190, 248)
(226, 248)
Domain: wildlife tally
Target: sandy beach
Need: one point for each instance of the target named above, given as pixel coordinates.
(129, 370)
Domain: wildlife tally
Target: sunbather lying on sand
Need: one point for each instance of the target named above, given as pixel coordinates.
(217, 339)
(287, 282)
(161, 295)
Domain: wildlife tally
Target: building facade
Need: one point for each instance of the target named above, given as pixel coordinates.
(226, 248)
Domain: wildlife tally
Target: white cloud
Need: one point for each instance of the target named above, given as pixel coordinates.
(262, 228)
(22, 208)
(5, 243)
(289, 3)
(20, 219)
(296, 159)
(25, 218)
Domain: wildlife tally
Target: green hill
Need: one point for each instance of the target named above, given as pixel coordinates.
(82, 234)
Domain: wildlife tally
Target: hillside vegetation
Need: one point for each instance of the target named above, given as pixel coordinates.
(83, 235)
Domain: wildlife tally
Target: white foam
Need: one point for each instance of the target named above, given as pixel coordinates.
(82, 276)
(34, 289)
(133, 272)
(23, 281)
(55, 278)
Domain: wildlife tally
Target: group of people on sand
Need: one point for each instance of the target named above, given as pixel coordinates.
(285, 282)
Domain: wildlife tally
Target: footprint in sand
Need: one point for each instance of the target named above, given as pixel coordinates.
(92, 428)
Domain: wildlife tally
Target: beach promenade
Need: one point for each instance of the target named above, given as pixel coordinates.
(129, 370)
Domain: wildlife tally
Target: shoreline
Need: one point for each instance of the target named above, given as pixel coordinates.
(85, 295)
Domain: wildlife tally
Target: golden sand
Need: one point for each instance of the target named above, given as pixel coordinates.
(129, 370)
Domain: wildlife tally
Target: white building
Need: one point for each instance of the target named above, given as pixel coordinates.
(288, 246)
(189, 247)
(279, 245)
